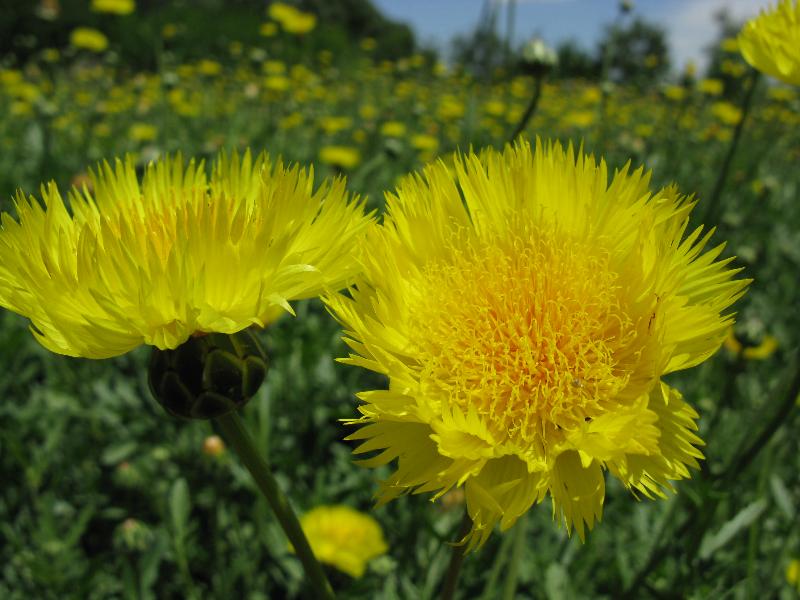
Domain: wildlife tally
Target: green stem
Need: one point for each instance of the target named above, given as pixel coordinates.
(239, 439)
(456, 559)
(537, 92)
(790, 393)
(510, 588)
(713, 200)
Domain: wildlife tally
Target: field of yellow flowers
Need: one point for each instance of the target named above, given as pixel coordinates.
(104, 496)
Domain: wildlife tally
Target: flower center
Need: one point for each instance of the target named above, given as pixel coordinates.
(526, 333)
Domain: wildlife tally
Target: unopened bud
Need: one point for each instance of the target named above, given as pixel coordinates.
(208, 376)
(213, 446)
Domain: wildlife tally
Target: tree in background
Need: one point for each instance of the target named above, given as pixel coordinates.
(725, 62)
(639, 54)
(575, 62)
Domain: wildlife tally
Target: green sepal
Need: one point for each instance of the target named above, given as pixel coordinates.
(208, 375)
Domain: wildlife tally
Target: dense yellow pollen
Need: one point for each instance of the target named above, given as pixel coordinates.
(525, 334)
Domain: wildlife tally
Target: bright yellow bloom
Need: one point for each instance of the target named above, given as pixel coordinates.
(291, 19)
(343, 537)
(793, 573)
(88, 39)
(770, 42)
(117, 7)
(712, 87)
(767, 347)
(728, 113)
(345, 157)
(156, 261)
(524, 312)
(142, 132)
(394, 129)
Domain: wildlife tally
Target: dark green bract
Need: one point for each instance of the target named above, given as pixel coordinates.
(208, 376)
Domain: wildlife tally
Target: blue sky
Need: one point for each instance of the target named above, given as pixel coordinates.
(689, 23)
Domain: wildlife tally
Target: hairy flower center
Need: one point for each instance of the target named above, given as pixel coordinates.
(526, 334)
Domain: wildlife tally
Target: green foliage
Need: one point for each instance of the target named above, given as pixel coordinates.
(636, 52)
(105, 496)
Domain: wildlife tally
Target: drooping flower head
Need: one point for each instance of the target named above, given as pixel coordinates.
(155, 261)
(343, 537)
(524, 311)
(770, 41)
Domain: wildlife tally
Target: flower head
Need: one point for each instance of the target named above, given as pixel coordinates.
(524, 311)
(343, 537)
(770, 41)
(117, 7)
(88, 39)
(157, 260)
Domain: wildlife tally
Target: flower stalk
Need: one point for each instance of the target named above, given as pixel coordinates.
(240, 440)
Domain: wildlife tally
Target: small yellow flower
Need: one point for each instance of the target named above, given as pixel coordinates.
(345, 157)
(213, 446)
(268, 29)
(142, 132)
(394, 129)
(711, 87)
(524, 311)
(730, 45)
(675, 92)
(343, 537)
(291, 19)
(158, 260)
(88, 39)
(425, 142)
(770, 41)
(793, 571)
(209, 67)
(767, 347)
(117, 7)
(726, 112)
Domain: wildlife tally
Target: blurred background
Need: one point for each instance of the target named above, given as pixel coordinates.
(104, 496)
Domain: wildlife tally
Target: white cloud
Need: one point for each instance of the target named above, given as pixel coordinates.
(691, 26)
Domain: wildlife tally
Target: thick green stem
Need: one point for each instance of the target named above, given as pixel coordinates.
(456, 559)
(710, 214)
(537, 92)
(239, 439)
(510, 587)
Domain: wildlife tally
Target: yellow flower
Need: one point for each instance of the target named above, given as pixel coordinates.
(770, 42)
(291, 19)
(675, 92)
(343, 537)
(712, 87)
(156, 261)
(524, 312)
(726, 112)
(268, 29)
(142, 132)
(793, 573)
(117, 7)
(767, 347)
(88, 39)
(394, 129)
(340, 156)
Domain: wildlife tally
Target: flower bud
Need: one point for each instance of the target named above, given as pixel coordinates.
(213, 446)
(209, 375)
(538, 58)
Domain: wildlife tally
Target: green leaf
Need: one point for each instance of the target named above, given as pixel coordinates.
(714, 541)
(782, 496)
(556, 583)
(179, 506)
(113, 455)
